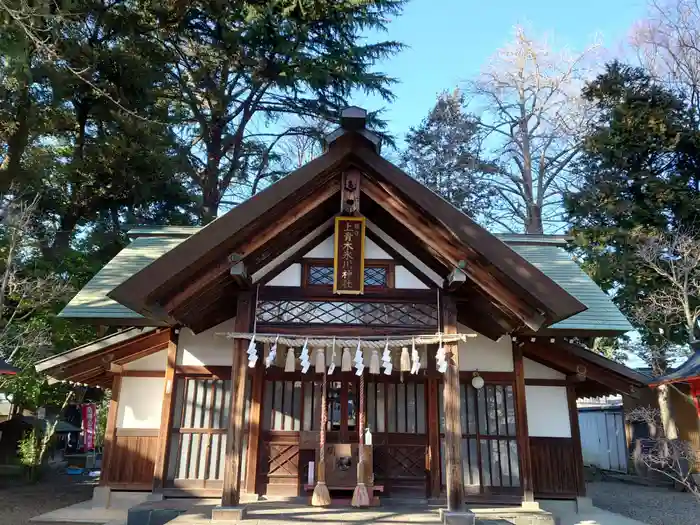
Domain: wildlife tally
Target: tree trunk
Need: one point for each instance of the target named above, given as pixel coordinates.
(534, 219)
(10, 170)
(666, 409)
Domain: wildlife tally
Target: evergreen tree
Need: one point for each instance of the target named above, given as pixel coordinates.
(443, 153)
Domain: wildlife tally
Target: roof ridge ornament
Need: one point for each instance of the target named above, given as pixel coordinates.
(353, 119)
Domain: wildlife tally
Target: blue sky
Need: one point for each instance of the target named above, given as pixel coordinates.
(450, 40)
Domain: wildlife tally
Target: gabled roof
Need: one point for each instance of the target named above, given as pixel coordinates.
(543, 251)
(92, 301)
(688, 371)
(602, 315)
(196, 272)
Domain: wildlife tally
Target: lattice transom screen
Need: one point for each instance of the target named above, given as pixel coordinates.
(347, 313)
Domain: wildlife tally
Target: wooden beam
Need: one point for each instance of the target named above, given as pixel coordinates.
(523, 435)
(350, 192)
(452, 400)
(576, 438)
(110, 430)
(455, 279)
(447, 248)
(254, 427)
(239, 272)
(557, 356)
(234, 438)
(253, 242)
(433, 459)
(386, 295)
(166, 415)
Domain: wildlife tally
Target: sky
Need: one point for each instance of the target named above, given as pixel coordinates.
(450, 40)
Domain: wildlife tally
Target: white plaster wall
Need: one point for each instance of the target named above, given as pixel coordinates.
(535, 370)
(289, 277)
(325, 250)
(547, 411)
(206, 348)
(140, 402)
(155, 362)
(405, 279)
(483, 354)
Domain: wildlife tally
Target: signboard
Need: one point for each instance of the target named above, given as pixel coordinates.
(89, 412)
(349, 256)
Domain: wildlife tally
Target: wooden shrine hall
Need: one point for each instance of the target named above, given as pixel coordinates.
(345, 314)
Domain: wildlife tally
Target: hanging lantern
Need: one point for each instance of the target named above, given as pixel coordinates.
(374, 362)
(477, 381)
(346, 361)
(289, 363)
(320, 360)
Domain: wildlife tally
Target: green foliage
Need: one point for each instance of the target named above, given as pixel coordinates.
(102, 413)
(443, 153)
(30, 448)
(30, 390)
(639, 172)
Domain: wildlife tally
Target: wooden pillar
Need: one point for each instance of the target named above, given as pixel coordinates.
(111, 430)
(254, 427)
(521, 425)
(166, 415)
(433, 459)
(576, 438)
(234, 437)
(454, 478)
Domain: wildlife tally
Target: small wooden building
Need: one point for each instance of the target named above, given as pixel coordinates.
(190, 414)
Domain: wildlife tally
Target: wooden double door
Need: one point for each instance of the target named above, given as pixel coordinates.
(395, 413)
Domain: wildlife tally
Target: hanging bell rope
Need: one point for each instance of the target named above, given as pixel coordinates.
(371, 343)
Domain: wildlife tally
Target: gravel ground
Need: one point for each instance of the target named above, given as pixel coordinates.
(19, 501)
(653, 505)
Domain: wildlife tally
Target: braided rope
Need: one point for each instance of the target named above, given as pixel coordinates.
(371, 343)
(324, 421)
(361, 417)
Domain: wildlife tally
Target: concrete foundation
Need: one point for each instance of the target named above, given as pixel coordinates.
(101, 497)
(228, 513)
(457, 518)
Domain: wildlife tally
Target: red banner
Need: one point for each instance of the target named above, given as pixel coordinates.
(89, 411)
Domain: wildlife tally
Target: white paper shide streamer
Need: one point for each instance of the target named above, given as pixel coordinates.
(271, 355)
(415, 359)
(252, 353)
(359, 360)
(440, 361)
(304, 358)
(386, 360)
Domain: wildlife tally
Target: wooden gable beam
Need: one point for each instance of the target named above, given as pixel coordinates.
(556, 356)
(443, 245)
(150, 342)
(254, 241)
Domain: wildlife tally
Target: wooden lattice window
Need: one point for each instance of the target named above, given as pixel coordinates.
(198, 434)
(489, 442)
(319, 272)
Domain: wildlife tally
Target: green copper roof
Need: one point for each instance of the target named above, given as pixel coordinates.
(92, 302)
(556, 263)
(545, 252)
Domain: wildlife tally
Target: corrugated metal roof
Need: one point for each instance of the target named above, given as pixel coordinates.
(92, 302)
(557, 264)
(544, 252)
